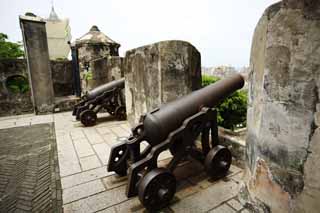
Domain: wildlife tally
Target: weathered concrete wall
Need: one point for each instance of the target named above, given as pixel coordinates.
(62, 78)
(89, 52)
(105, 70)
(12, 103)
(115, 67)
(159, 73)
(283, 149)
(37, 54)
(101, 64)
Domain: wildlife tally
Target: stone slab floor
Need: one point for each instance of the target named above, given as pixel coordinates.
(83, 153)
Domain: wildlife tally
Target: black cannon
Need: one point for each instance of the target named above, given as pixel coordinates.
(107, 96)
(174, 126)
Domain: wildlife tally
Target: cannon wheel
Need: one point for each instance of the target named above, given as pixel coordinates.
(120, 113)
(88, 117)
(218, 161)
(156, 189)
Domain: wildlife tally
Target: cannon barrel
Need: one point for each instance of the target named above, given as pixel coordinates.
(159, 123)
(105, 87)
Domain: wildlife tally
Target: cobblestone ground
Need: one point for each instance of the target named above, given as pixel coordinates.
(83, 153)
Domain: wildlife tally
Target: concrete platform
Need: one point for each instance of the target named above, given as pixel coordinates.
(83, 153)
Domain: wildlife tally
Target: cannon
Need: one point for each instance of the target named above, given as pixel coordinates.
(174, 126)
(108, 96)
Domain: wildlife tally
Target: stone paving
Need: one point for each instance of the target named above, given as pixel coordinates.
(29, 173)
(83, 153)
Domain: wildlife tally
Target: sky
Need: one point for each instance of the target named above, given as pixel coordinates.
(221, 30)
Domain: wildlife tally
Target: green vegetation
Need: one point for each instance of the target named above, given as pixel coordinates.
(61, 59)
(17, 84)
(9, 49)
(232, 111)
(88, 75)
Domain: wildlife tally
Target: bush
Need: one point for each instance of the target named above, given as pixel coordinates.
(9, 49)
(17, 84)
(232, 112)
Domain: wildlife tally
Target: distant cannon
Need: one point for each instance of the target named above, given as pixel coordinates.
(107, 96)
(174, 126)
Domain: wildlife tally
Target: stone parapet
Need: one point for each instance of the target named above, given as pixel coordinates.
(159, 73)
(283, 146)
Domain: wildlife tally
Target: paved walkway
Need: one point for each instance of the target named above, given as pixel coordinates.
(29, 176)
(88, 187)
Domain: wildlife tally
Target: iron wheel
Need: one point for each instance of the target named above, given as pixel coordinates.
(120, 113)
(156, 189)
(88, 118)
(218, 161)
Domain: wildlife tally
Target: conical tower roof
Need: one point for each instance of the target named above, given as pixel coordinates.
(94, 36)
(53, 15)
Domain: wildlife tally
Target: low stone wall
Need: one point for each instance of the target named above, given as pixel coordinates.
(159, 73)
(12, 103)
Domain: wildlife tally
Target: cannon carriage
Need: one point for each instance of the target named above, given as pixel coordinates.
(174, 126)
(107, 96)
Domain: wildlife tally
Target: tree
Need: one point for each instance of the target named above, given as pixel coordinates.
(9, 49)
(232, 112)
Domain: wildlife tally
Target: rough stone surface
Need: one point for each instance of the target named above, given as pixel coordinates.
(37, 54)
(282, 140)
(159, 73)
(62, 77)
(10, 102)
(93, 49)
(103, 71)
(95, 44)
(115, 67)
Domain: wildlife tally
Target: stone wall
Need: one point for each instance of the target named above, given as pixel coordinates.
(19, 103)
(115, 67)
(62, 77)
(283, 149)
(103, 71)
(13, 103)
(89, 52)
(159, 73)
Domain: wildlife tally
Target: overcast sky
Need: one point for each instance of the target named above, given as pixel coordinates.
(220, 30)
